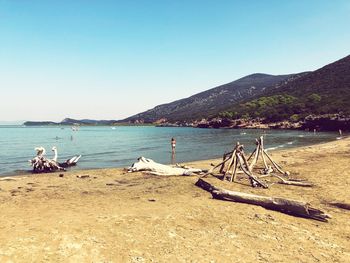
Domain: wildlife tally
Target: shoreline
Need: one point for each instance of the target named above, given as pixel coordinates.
(113, 216)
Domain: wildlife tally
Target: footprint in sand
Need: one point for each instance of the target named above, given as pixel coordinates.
(14, 192)
(33, 184)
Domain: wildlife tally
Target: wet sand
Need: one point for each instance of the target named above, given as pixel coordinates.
(113, 216)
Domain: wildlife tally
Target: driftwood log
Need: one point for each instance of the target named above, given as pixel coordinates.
(287, 206)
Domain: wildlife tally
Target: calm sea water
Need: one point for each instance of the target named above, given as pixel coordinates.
(103, 147)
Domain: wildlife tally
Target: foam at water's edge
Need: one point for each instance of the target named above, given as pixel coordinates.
(276, 147)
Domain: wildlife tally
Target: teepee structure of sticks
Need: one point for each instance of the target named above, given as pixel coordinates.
(236, 162)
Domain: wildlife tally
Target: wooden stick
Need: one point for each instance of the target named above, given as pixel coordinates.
(230, 164)
(273, 163)
(251, 155)
(296, 183)
(257, 150)
(261, 140)
(288, 182)
(216, 166)
(225, 159)
(245, 161)
(234, 169)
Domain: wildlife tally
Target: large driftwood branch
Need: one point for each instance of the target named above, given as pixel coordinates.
(287, 206)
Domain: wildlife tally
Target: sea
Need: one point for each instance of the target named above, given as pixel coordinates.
(120, 146)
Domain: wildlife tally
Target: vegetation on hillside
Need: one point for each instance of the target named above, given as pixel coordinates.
(278, 107)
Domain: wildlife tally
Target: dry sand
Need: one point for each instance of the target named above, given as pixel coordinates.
(113, 216)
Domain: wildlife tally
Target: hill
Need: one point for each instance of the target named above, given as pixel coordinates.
(213, 101)
(324, 91)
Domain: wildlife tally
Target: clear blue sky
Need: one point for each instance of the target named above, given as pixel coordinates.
(110, 59)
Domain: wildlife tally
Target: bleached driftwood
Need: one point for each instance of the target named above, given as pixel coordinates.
(144, 164)
(269, 171)
(294, 182)
(288, 206)
(41, 164)
(235, 162)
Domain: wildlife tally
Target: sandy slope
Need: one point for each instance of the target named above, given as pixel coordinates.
(116, 217)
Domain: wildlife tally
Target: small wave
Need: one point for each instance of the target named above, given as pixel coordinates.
(271, 148)
(274, 148)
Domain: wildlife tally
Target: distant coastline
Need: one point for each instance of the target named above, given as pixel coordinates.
(84, 122)
(326, 122)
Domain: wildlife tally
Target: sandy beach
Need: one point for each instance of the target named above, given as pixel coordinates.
(113, 216)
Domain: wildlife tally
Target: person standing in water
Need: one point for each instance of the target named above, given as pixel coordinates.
(173, 144)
